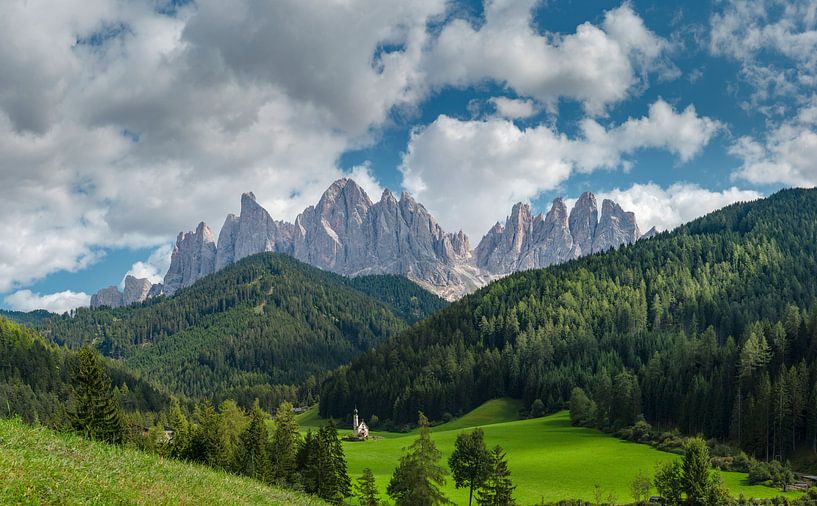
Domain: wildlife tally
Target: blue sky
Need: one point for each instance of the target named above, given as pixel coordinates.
(124, 123)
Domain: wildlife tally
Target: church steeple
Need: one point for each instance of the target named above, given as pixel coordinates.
(355, 423)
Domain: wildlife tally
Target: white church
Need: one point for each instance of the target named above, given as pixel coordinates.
(359, 427)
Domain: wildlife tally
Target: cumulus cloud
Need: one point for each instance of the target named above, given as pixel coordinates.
(121, 125)
(666, 208)
(26, 300)
(470, 173)
(786, 155)
(596, 65)
(514, 108)
(758, 34)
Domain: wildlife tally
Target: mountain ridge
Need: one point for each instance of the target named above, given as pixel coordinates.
(349, 234)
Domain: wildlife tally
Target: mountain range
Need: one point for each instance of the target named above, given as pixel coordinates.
(347, 233)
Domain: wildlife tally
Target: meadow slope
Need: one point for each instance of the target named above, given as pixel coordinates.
(549, 458)
(39, 466)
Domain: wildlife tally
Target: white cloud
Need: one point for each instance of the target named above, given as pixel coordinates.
(362, 175)
(25, 300)
(120, 126)
(164, 121)
(666, 208)
(154, 268)
(775, 43)
(787, 155)
(470, 173)
(596, 65)
(514, 108)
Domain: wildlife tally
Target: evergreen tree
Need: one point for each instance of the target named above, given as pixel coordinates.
(337, 486)
(367, 489)
(284, 445)
(96, 413)
(208, 437)
(180, 442)
(669, 481)
(696, 470)
(251, 456)
(470, 462)
(497, 490)
(418, 477)
(323, 465)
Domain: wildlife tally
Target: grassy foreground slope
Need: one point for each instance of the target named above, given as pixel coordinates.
(39, 466)
(549, 458)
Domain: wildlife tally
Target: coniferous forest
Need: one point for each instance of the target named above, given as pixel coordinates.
(254, 330)
(711, 328)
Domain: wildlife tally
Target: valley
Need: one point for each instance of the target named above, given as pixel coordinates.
(550, 460)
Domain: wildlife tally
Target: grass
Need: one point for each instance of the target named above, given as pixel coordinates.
(39, 466)
(549, 459)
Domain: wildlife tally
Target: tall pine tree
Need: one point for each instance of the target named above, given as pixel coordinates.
(470, 461)
(96, 413)
(497, 490)
(418, 477)
(251, 456)
(283, 448)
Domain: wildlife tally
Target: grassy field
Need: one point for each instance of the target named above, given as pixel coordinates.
(38, 466)
(549, 459)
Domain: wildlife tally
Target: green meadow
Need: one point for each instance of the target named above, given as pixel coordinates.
(39, 466)
(549, 458)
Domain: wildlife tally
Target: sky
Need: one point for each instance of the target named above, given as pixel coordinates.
(125, 122)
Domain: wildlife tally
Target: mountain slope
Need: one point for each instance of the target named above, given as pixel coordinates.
(26, 318)
(268, 319)
(38, 466)
(684, 314)
(34, 378)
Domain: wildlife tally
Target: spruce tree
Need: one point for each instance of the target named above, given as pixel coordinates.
(96, 413)
(252, 448)
(418, 477)
(470, 461)
(336, 486)
(180, 442)
(497, 490)
(367, 489)
(696, 471)
(284, 445)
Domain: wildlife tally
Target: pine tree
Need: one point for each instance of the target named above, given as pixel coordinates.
(252, 448)
(696, 471)
(338, 486)
(470, 461)
(497, 490)
(96, 414)
(323, 465)
(367, 489)
(284, 445)
(418, 477)
(180, 443)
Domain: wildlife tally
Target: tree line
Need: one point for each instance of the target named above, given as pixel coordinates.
(242, 442)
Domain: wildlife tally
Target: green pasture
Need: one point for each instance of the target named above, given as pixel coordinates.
(549, 458)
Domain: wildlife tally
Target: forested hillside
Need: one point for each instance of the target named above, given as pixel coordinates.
(26, 318)
(710, 328)
(35, 375)
(267, 320)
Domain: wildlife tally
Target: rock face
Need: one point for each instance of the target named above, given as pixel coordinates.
(136, 290)
(193, 258)
(649, 234)
(527, 242)
(110, 297)
(347, 233)
(583, 220)
(616, 227)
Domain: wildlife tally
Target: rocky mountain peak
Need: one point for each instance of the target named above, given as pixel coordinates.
(193, 257)
(649, 234)
(616, 227)
(582, 222)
